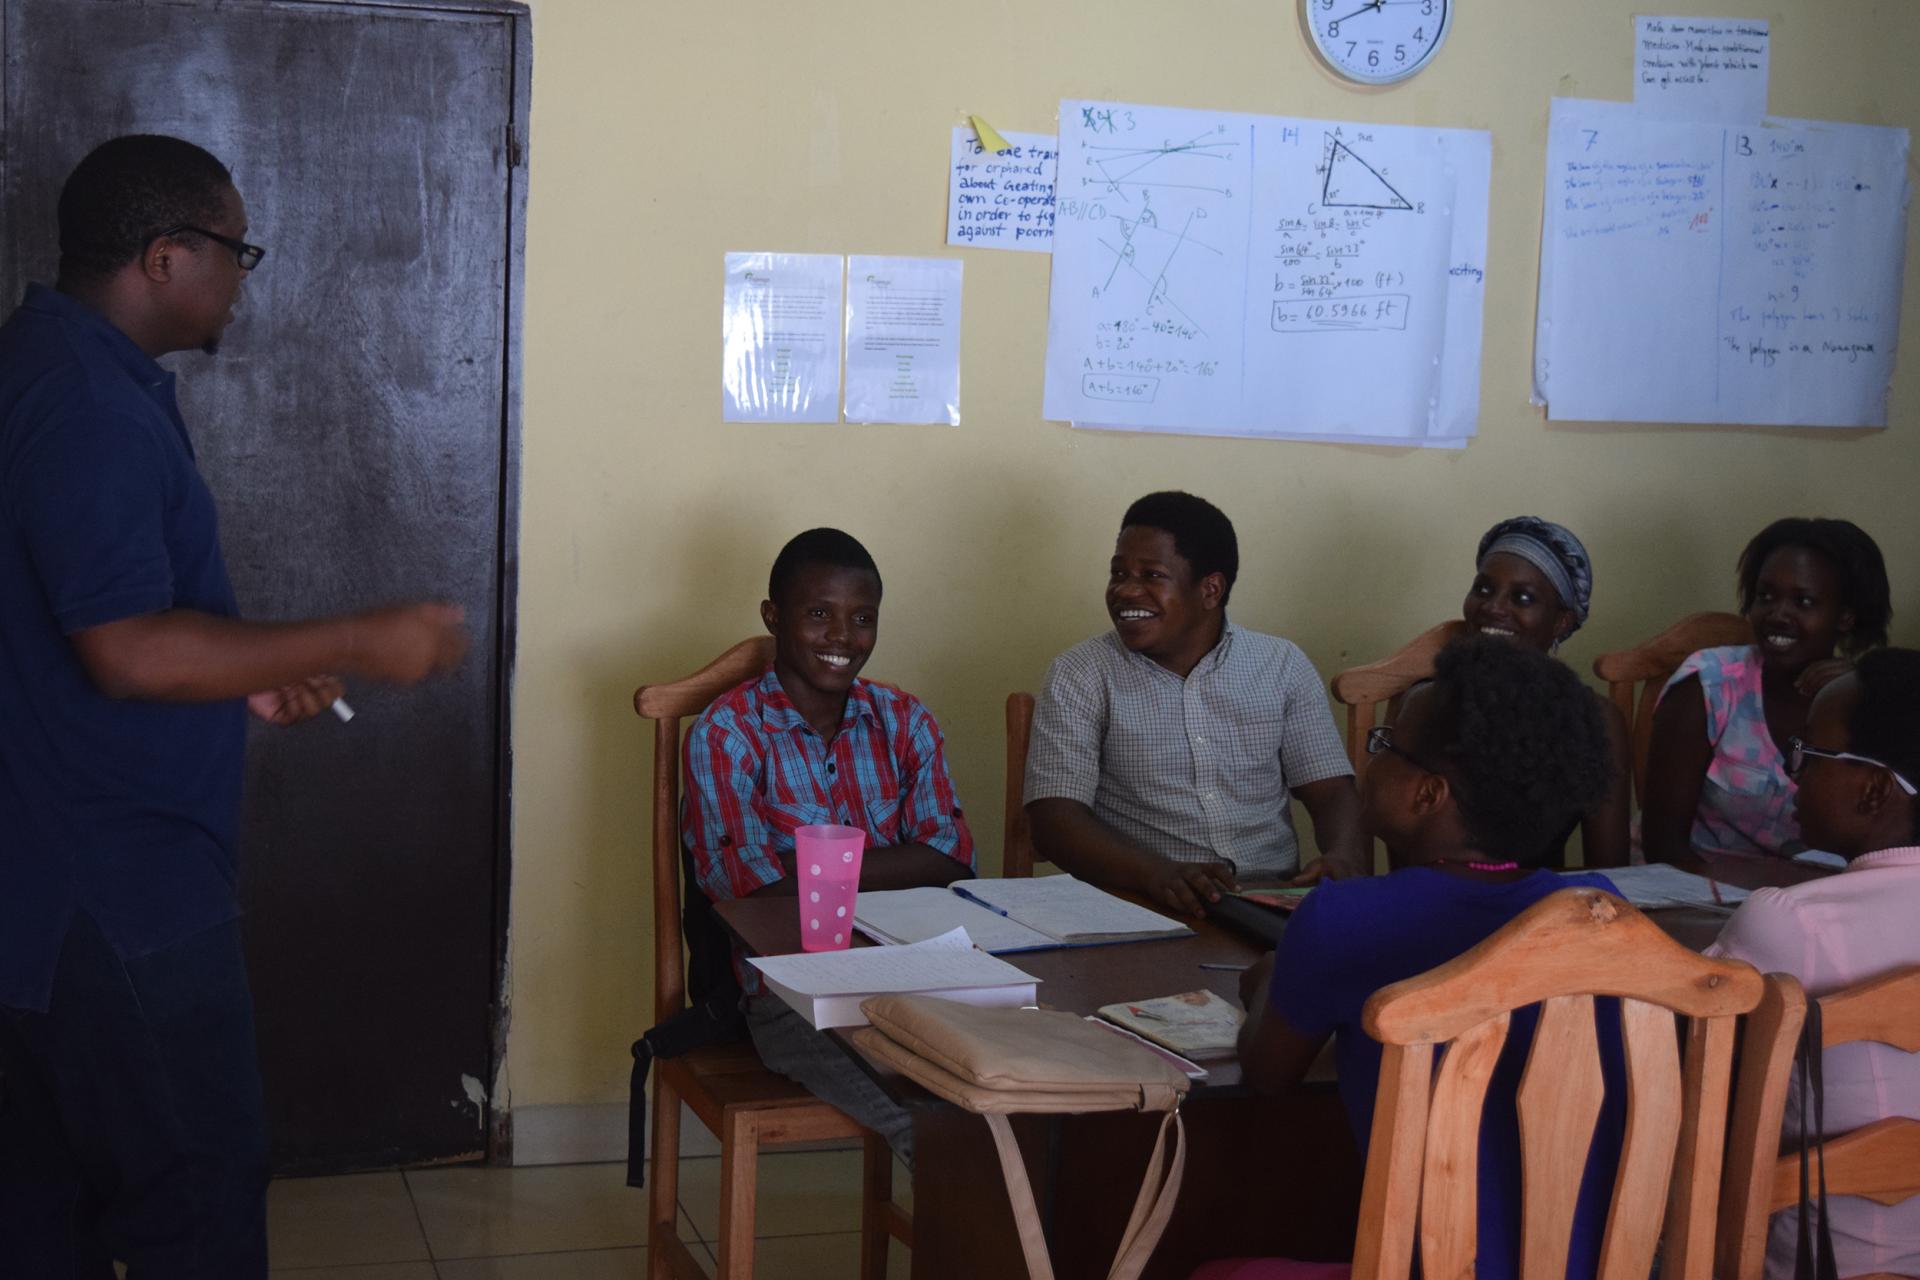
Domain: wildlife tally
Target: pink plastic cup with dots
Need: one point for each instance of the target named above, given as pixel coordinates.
(828, 879)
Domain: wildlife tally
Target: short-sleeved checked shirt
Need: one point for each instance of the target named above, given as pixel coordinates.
(1192, 769)
(755, 771)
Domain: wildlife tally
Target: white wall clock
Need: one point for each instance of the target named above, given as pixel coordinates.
(1376, 41)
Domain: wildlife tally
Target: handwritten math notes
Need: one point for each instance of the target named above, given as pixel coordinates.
(1696, 272)
(903, 339)
(1700, 68)
(1226, 274)
(1001, 199)
(780, 338)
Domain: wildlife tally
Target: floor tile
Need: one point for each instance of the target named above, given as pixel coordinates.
(483, 1213)
(828, 1257)
(806, 1193)
(343, 1221)
(377, 1271)
(592, 1264)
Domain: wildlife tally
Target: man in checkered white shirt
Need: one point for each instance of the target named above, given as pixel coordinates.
(1165, 752)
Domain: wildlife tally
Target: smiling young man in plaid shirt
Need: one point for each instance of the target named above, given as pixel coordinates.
(806, 743)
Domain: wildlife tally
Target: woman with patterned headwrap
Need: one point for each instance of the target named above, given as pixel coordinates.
(1533, 584)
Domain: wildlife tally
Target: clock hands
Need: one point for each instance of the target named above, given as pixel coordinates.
(1374, 6)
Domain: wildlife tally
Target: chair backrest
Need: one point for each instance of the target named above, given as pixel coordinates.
(1651, 665)
(1422, 1177)
(1880, 1161)
(1362, 689)
(666, 705)
(1016, 849)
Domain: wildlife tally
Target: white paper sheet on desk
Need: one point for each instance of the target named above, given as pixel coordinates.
(1658, 884)
(947, 962)
(1070, 910)
(897, 916)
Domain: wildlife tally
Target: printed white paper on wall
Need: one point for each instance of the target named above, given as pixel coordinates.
(780, 338)
(903, 340)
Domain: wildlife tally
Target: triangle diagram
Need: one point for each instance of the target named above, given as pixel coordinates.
(1352, 184)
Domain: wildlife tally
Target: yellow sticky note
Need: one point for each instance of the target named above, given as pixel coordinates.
(989, 136)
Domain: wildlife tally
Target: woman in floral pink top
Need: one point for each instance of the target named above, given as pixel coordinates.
(1717, 784)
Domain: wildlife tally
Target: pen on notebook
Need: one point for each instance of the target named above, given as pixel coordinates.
(1224, 968)
(978, 902)
(341, 709)
(1713, 886)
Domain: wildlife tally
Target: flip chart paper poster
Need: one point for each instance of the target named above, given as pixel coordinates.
(1249, 275)
(903, 340)
(780, 338)
(1701, 68)
(1004, 199)
(1709, 273)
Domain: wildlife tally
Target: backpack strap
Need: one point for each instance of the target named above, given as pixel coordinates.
(1152, 1207)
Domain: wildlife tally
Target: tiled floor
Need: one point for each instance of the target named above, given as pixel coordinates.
(561, 1222)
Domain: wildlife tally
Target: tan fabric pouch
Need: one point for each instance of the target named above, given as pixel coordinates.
(999, 1061)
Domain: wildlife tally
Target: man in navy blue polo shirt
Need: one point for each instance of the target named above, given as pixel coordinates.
(131, 1125)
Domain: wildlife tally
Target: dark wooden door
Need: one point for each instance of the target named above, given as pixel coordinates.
(359, 431)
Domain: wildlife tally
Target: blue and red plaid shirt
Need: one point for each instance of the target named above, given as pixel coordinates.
(755, 771)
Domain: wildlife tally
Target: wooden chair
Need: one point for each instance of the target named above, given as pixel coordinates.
(727, 1087)
(1651, 665)
(1880, 1161)
(1421, 1178)
(1016, 848)
(1362, 689)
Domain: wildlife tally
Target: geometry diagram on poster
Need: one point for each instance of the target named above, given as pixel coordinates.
(1229, 274)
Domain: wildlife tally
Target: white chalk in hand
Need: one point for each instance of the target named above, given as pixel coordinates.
(341, 709)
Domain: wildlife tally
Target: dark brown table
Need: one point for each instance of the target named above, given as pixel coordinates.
(1246, 1155)
(1266, 1177)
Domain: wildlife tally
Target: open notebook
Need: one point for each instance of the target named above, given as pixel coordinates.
(1658, 884)
(1011, 915)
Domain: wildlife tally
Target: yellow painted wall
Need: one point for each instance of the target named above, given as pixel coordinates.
(665, 134)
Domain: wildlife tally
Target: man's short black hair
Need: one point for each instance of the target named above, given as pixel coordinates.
(818, 546)
(1201, 532)
(1856, 561)
(129, 190)
(1521, 741)
(1885, 724)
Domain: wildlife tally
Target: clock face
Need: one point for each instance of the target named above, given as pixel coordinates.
(1377, 41)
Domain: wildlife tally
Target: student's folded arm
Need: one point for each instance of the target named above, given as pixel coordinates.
(1606, 831)
(1274, 1055)
(908, 866)
(930, 814)
(1678, 755)
(731, 845)
(1334, 806)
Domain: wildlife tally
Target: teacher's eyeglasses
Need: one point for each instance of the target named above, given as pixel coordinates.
(248, 255)
(1798, 752)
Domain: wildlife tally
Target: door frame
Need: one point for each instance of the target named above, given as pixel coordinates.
(498, 1121)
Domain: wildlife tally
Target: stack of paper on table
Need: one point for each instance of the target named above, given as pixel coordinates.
(1197, 1024)
(827, 987)
(1659, 884)
(1012, 915)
